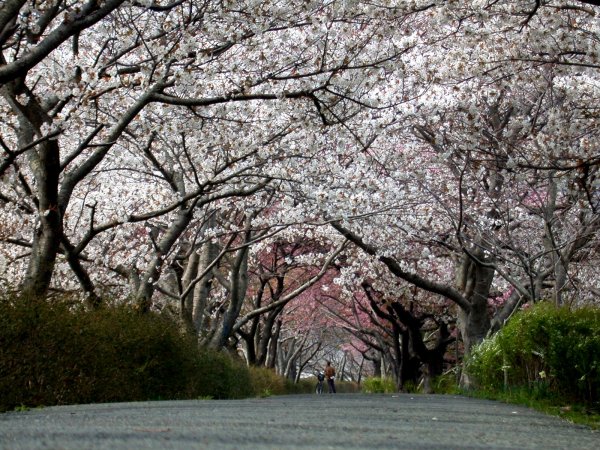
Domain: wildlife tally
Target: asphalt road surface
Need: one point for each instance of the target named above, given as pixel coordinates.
(350, 421)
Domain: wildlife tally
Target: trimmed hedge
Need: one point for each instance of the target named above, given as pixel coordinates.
(217, 375)
(56, 352)
(551, 351)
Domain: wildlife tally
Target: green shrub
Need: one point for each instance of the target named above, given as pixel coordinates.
(218, 375)
(56, 352)
(266, 382)
(549, 350)
(487, 363)
(445, 384)
(304, 386)
(377, 385)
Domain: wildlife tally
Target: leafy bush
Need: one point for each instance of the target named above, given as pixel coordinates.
(304, 386)
(549, 350)
(377, 385)
(266, 382)
(347, 387)
(55, 352)
(486, 363)
(218, 375)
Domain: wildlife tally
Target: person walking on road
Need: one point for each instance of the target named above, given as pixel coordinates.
(330, 376)
(320, 379)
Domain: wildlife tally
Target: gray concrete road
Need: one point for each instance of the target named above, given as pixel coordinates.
(352, 421)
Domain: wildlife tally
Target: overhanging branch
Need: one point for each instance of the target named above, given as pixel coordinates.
(394, 267)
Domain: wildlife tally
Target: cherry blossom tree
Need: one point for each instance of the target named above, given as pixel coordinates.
(457, 185)
(83, 83)
(284, 272)
(157, 149)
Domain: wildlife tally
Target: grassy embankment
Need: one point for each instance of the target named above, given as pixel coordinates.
(546, 358)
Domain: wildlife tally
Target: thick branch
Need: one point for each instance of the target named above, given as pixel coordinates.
(394, 267)
(295, 293)
(195, 102)
(89, 14)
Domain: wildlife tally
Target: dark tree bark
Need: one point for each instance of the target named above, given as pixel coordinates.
(408, 327)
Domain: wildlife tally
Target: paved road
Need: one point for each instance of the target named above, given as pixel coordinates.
(352, 421)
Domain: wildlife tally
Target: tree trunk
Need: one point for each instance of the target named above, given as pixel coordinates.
(360, 371)
(186, 304)
(475, 281)
(405, 372)
(44, 160)
(92, 299)
(48, 233)
(238, 287)
(475, 324)
(398, 356)
(201, 292)
(267, 333)
(377, 367)
(162, 248)
(273, 346)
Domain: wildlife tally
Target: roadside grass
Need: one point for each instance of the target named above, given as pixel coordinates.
(443, 384)
(577, 413)
(546, 358)
(536, 398)
(379, 385)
